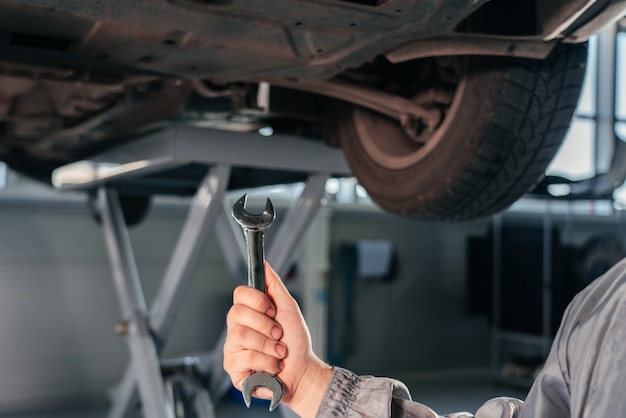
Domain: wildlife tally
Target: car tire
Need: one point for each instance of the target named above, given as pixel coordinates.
(504, 125)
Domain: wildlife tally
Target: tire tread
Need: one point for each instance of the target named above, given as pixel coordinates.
(532, 117)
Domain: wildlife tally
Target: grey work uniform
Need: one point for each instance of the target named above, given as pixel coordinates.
(584, 375)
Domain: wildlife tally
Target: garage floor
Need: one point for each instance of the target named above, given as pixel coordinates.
(442, 395)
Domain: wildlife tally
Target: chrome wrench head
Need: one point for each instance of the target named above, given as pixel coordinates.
(256, 380)
(250, 221)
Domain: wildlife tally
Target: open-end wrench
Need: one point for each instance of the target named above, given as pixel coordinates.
(254, 227)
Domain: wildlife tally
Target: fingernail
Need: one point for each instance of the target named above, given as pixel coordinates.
(271, 312)
(276, 333)
(281, 350)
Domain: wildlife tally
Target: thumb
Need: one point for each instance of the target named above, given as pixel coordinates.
(276, 289)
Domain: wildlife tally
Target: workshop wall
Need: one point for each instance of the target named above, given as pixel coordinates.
(419, 323)
(416, 322)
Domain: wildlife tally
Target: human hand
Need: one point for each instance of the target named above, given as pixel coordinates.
(267, 333)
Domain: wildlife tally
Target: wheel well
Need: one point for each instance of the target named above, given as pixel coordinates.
(503, 18)
(530, 18)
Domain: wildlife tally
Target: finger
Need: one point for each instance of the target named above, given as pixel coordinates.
(243, 315)
(239, 338)
(262, 393)
(255, 299)
(239, 365)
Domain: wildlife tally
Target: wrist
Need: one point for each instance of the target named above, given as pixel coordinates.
(310, 391)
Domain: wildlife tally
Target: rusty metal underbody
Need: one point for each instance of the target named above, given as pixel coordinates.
(80, 75)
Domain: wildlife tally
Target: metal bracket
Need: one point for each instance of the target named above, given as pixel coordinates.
(181, 145)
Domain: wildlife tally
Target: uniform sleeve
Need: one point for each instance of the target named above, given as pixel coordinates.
(349, 395)
(585, 374)
(549, 395)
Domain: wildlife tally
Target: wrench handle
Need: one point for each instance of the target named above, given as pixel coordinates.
(256, 258)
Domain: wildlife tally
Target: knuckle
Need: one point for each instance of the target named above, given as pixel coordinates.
(239, 332)
(249, 358)
(226, 363)
(268, 347)
(229, 365)
(231, 317)
(236, 315)
(236, 311)
(239, 293)
(260, 302)
(264, 324)
(247, 295)
(235, 335)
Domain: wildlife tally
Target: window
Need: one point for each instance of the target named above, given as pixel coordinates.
(576, 157)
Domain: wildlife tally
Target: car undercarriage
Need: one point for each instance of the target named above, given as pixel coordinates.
(390, 82)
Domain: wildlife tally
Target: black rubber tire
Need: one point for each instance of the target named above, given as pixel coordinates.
(506, 123)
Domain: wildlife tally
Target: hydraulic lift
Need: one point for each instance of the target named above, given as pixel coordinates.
(148, 386)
